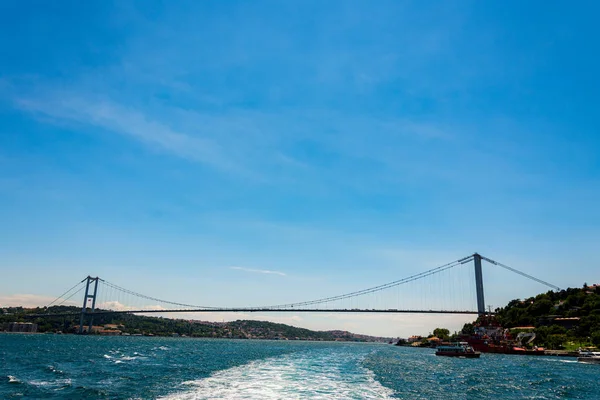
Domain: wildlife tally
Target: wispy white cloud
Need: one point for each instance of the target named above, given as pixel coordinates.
(118, 306)
(28, 300)
(140, 126)
(259, 271)
(260, 146)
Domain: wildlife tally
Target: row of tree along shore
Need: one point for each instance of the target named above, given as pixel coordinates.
(16, 319)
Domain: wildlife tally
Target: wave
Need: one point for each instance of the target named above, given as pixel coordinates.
(129, 358)
(60, 383)
(307, 375)
(122, 357)
(51, 368)
(560, 360)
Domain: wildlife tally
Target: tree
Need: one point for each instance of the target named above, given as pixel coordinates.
(556, 341)
(442, 333)
(541, 307)
(468, 329)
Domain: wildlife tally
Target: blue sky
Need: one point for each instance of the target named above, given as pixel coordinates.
(339, 144)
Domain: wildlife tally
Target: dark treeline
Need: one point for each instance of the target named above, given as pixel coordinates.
(571, 315)
(157, 326)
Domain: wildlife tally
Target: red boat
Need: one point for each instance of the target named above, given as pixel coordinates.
(492, 338)
(487, 346)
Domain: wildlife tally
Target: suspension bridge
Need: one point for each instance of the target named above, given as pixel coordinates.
(435, 291)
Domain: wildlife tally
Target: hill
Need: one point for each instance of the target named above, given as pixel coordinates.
(566, 318)
(129, 324)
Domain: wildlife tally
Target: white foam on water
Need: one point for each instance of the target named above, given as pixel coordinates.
(295, 376)
(547, 359)
(55, 370)
(122, 357)
(52, 384)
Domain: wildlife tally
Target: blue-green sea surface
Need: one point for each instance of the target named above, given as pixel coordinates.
(80, 367)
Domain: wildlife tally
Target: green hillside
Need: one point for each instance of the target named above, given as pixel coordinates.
(157, 326)
(567, 318)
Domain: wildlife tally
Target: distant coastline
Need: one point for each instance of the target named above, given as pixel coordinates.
(17, 320)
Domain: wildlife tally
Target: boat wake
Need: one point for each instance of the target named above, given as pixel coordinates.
(300, 375)
(560, 360)
(118, 357)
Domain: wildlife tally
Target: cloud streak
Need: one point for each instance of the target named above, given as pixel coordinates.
(118, 306)
(132, 123)
(311, 150)
(259, 271)
(29, 300)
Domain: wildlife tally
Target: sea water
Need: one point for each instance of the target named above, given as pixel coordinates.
(88, 367)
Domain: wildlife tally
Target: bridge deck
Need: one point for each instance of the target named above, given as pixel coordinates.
(270, 310)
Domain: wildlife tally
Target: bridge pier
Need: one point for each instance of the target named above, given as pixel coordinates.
(479, 284)
(88, 295)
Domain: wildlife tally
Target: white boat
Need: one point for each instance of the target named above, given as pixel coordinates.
(589, 357)
(461, 349)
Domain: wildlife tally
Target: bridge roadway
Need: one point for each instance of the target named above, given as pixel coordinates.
(303, 310)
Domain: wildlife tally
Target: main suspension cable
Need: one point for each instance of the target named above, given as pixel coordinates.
(516, 271)
(73, 294)
(65, 293)
(112, 285)
(380, 287)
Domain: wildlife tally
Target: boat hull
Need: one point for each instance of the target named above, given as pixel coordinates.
(458, 354)
(484, 347)
(589, 360)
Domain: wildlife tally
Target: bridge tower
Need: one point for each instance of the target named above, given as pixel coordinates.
(91, 283)
(479, 284)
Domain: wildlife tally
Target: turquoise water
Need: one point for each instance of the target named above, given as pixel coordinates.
(80, 367)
